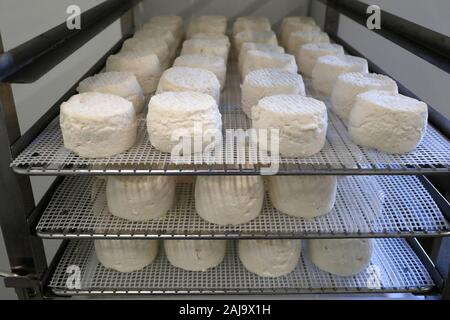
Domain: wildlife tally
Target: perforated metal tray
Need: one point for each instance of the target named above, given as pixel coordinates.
(394, 268)
(46, 155)
(366, 206)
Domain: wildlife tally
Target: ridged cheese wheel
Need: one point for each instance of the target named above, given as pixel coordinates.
(214, 64)
(295, 26)
(140, 198)
(267, 37)
(260, 60)
(229, 199)
(145, 66)
(195, 255)
(205, 46)
(207, 24)
(251, 23)
(270, 258)
(179, 112)
(342, 257)
(151, 45)
(328, 68)
(126, 255)
(261, 83)
(387, 121)
(349, 85)
(219, 38)
(123, 84)
(301, 121)
(190, 79)
(247, 46)
(303, 196)
(96, 125)
(159, 33)
(299, 38)
(309, 53)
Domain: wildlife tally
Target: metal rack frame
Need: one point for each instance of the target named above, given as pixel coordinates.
(30, 274)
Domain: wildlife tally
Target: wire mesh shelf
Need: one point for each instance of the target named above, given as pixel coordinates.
(46, 155)
(394, 267)
(366, 206)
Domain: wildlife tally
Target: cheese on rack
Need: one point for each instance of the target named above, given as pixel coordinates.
(229, 199)
(171, 23)
(207, 24)
(145, 66)
(308, 54)
(295, 26)
(190, 79)
(328, 68)
(206, 46)
(299, 38)
(261, 83)
(301, 121)
(267, 37)
(247, 46)
(152, 45)
(158, 33)
(303, 196)
(195, 255)
(172, 115)
(126, 255)
(269, 258)
(140, 198)
(96, 125)
(251, 23)
(387, 121)
(123, 84)
(259, 59)
(214, 64)
(342, 257)
(349, 85)
(219, 38)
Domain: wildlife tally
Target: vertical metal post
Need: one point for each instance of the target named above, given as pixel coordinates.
(25, 252)
(127, 22)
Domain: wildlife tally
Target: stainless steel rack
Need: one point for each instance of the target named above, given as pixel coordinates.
(394, 268)
(366, 206)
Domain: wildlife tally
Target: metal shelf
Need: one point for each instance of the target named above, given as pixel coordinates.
(394, 268)
(369, 206)
(46, 155)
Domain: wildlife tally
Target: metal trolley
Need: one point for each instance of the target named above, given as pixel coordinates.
(399, 200)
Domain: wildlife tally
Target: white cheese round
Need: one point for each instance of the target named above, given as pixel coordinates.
(259, 59)
(145, 66)
(206, 46)
(295, 26)
(270, 258)
(229, 199)
(207, 24)
(123, 84)
(251, 23)
(328, 68)
(96, 125)
(301, 121)
(303, 196)
(309, 53)
(342, 257)
(215, 64)
(267, 37)
(215, 37)
(151, 45)
(173, 24)
(126, 255)
(299, 19)
(190, 79)
(247, 46)
(299, 38)
(349, 85)
(140, 198)
(387, 121)
(195, 255)
(170, 113)
(160, 33)
(261, 83)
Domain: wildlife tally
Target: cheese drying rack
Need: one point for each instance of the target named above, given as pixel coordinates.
(379, 196)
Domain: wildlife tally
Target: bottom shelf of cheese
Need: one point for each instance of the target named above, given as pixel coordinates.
(394, 267)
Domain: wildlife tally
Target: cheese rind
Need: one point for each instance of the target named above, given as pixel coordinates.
(342, 257)
(295, 26)
(261, 83)
(303, 196)
(247, 46)
(206, 46)
(195, 255)
(152, 45)
(251, 23)
(328, 68)
(123, 84)
(160, 33)
(229, 199)
(309, 53)
(299, 38)
(259, 59)
(215, 64)
(267, 37)
(301, 121)
(207, 24)
(96, 125)
(269, 258)
(126, 255)
(140, 198)
(387, 121)
(215, 37)
(349, 85)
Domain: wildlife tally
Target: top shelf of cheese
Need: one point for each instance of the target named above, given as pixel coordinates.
(46, 155)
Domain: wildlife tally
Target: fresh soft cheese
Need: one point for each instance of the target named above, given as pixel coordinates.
(260, 59)
(215, 64)
(308, 54)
